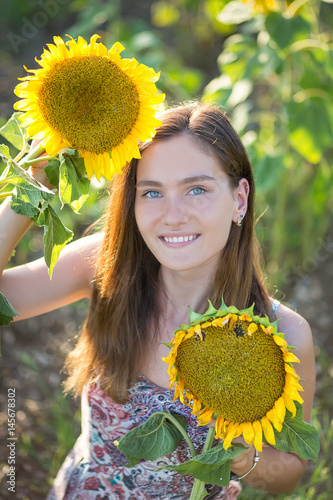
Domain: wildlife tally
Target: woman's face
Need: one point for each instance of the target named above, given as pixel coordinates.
(184, 204)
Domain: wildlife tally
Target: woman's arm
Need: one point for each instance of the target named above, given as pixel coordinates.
(276, 471)
(28, 287)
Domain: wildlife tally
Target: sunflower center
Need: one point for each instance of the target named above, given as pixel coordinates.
(90, 102)
(238, 376)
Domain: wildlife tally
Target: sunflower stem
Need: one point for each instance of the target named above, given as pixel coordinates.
(5, 195)
(209, 439)
(23, 150)
(198, 491)
(34, 153)
(32, 162)
(183, 432)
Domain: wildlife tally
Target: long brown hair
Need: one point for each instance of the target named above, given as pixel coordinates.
(124, 305)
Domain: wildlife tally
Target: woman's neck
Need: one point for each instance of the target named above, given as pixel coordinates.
(181, 290)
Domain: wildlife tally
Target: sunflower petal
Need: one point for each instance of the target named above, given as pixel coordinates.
(268, 430)
(248, 432)
(257, 440)
(231, 431)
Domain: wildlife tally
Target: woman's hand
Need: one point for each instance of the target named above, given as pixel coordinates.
(37, 169)
(243, 462)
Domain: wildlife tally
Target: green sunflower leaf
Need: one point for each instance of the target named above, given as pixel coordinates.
(4, 152)
(212, 466)
(153, 439)
(7, 312)
(52, 172)
(13, 132)
(298, 436)
(27, 198)
(132, 461)
(56, 235)
(73, 186)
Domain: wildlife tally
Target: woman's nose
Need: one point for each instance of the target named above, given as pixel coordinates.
(175, 212)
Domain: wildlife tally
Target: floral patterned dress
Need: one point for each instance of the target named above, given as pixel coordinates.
(96, 469)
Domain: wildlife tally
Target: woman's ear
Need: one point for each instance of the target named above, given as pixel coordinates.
(241, 194)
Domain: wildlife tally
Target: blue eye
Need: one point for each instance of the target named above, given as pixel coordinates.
(152, 194)
(197, 190)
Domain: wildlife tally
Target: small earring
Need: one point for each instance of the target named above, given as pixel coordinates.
(240, 220)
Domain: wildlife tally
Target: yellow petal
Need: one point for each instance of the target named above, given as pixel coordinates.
(219, 427)
(257, 440)
(248, 432)
(205, 416)
(268, 430)
(289, 403)
(289, 357)
(280, 341)
(252, 328)
(280, 409)
(231, 431)
(273, 417)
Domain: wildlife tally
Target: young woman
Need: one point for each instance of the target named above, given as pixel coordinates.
(179, 230)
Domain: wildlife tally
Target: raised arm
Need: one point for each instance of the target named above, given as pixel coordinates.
(28, 287)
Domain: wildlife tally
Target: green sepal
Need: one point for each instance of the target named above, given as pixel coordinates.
(212, 466)
(194, 317)
(153, 439)
(223, 310)
(7, 312)
(298, 436)
(223, 306)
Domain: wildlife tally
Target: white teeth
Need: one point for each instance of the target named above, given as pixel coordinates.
(180, 239)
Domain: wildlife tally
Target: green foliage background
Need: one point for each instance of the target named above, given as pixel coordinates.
(273, 73)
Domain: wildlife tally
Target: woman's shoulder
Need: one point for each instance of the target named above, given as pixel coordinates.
(297, 333)
(295, 327)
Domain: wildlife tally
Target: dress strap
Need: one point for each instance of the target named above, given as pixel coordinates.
(275, 305)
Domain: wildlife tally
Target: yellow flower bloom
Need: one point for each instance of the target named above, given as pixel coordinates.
(90, 99)
(225, 366)
(263, 6)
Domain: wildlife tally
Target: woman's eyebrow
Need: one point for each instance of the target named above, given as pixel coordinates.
(196, 178)
(148, 183)
(186, 180)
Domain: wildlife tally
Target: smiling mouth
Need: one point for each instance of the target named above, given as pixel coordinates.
(179, 239)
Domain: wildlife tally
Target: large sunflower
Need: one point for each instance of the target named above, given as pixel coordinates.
(235, 366)
(90, 99)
